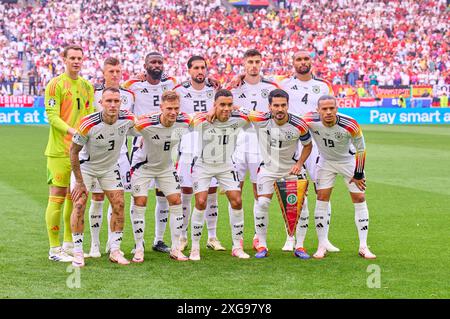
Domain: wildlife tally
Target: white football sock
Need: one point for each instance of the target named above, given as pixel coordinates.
(176, 223)
(328, 218)
(302, 225)
(186, 202)
(161, 218)
(255, 208)
(138, 225)
(237, 226)
(77, 242)
(362, 222)
(262, 220)
(116, 240)
(95, 221)
(197, 221)
(108, 216)
(211, 215)
(320, 217)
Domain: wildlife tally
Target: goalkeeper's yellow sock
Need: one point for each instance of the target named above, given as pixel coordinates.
(52, 219)
(68, 205)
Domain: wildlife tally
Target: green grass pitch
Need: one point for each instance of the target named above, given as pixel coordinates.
(408, 177)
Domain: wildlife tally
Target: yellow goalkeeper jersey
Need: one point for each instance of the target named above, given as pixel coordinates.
(66, 102)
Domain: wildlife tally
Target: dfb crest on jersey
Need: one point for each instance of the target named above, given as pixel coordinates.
(164, 88)
(265, 93)
(338, 135)
(124, 99)
(122, 130)
(52, 102)
(316, 89)
(289, 135)
(209, 94)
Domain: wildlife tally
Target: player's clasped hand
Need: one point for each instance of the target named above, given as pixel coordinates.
(360, 183)
(79, 191)
(295, 170)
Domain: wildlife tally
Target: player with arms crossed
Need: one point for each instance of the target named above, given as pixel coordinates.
(251, 94)
(68, 98)
(196, 95)
(112, 73)
(304, 91)
(160, 133)
(94, 155)
(217, 145)
(335, 134)
(278, 133)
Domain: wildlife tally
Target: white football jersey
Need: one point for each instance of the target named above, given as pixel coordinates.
(217, 140)
(127, 98)
(337, 143)
(159, 140)
(193, 101)
(102, 142)
(127, 103)
(148, 96)
(278, 144)
(253, 97)
(303, 95)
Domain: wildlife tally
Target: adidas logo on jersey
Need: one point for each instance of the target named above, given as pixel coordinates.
(100, 137)
(294, 87)
(242, 96)
(316, 132)
(188, 95)
(156, 137)
(144, 91)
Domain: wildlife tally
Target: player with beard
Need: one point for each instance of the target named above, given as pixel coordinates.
(196, 95)
(148, 94)
(304, 91)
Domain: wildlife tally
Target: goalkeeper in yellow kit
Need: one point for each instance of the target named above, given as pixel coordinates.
(68, 98)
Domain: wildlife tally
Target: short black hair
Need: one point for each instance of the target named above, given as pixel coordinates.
(325, 98)
(195, 58)
(111, 89)
(154, 54)
(252, 52)
(222, 92)
(278, 93)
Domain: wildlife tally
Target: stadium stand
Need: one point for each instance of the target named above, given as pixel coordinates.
(355, 42)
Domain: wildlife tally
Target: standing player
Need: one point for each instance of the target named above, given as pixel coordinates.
(196, 96)
(68, 97)
(335, 134)
(112, 73)
(304, 91)
(148, 98)
(216, 141)
(160, 133)
(100, 136)
(251, 94)
(278, 132)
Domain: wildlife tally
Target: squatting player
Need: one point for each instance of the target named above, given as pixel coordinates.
(304, 91)
(148, 100)
(217, 141)
(68, 98)
(278, 133)
(251, 94)
(161, 132)
(196, 95)
(112, 73)
(335, 135)
(99, 138)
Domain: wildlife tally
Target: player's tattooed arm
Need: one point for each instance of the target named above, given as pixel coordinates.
(79, 189)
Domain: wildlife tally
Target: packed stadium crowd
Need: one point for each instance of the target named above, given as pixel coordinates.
(374, 42)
